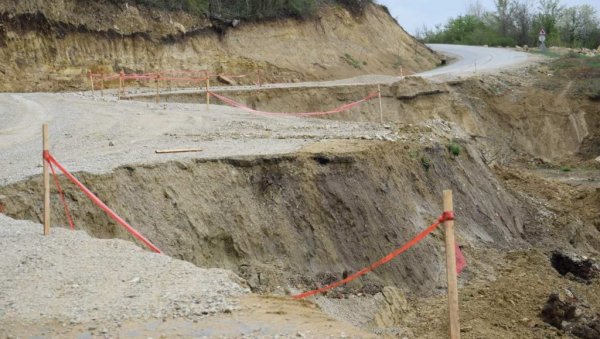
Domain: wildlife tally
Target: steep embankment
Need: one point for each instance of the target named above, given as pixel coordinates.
(509, 117)
(296, 219)
(50, 45)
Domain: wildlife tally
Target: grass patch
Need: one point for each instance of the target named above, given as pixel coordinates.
(426, 163)
(353, 62)
(566, 169)
(584, 70)
(548, 53)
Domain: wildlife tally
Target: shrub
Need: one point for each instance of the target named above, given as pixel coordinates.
(454, 148)
(426, 163)
(351, 61)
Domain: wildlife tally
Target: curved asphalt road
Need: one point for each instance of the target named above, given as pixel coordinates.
(473, 59)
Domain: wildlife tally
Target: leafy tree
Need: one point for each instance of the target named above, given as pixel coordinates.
(519, 22)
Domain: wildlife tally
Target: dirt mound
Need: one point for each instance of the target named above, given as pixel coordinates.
(50, 45)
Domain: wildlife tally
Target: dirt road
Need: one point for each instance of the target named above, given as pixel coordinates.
(96, 135)
(466, 61)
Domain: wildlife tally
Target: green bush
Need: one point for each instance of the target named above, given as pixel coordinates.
(565, 169)
(454, 148)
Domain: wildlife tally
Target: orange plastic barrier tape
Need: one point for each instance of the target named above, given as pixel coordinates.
(444, 217)
(62, 196)
(100, 204)
(461, 262)
(340, 109)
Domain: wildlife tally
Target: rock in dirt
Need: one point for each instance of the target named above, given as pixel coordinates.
(566, 313)
(559, 310)
(580, 267)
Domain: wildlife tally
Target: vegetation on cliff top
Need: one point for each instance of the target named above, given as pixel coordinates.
(250, 9)
(518, 22)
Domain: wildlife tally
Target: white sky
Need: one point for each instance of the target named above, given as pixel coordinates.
(413, 14)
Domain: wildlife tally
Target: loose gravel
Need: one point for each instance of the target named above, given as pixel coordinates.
(71, 278)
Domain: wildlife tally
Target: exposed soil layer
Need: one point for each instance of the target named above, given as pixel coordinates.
(524, 180)
(283, 220)
(51, 45)
(510, 116)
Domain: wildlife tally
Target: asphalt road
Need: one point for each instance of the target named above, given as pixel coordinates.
(475, 59)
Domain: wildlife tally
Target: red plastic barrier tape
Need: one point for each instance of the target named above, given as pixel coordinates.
(182, 72)
(100, 204)
(62, 196)
(340, 109)
(182, 79)
(444, 217)
(461, 262)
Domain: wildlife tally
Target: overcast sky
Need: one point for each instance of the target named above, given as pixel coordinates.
(413, 14)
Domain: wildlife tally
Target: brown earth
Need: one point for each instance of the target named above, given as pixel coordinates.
(267, 217)
(257, 316)
(512, 214)
(51, 45)
(332, 198)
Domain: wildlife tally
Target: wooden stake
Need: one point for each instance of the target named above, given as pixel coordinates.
(207, 92)
(451, 269)
(380, 105)
(124, 84)
(157, 89)
(102, 85)
(92, 82)
(46, 182)
(121, 76)
(182, 150)
(258, 77)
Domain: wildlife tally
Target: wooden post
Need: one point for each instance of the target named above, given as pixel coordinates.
(258, 77)
(451, 269)
(102, 85)
(380, 105)
(207, 92)
(157, 88)
(121, 80)
(401, 72)
(46, 181)
(124, 84)
(92, 82)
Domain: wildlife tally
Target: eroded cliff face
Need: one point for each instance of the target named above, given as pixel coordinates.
(290, 219)
(51, 45)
